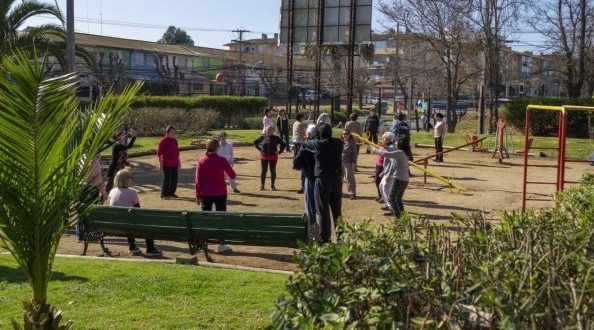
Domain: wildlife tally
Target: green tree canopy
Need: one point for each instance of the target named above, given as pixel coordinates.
(176, 36)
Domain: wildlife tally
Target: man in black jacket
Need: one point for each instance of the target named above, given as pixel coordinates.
(372, 125)
(328, 172)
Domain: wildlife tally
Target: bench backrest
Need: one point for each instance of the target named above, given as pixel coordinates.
(241, 228)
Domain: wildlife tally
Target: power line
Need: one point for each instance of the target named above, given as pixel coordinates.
(153, 26)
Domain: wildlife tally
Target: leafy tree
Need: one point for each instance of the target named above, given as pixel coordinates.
(176, 36)
(46, 146)
(444, 26)
(50, 38)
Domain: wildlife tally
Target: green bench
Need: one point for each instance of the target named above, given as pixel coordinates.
(196, 228)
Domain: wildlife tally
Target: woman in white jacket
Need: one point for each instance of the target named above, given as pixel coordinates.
(387, 175)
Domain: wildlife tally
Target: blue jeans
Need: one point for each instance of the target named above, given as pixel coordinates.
(309, 199)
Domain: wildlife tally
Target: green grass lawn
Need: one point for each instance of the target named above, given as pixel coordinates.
(146, 143)
(579, 148)
(100, 294)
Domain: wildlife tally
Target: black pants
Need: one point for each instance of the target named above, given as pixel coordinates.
(220, 203)
(150, 243)
(373, 137)
(439, 148)
(396, 193)
(328, 196)
(111, 172)
(265, 163)
(378, 179)
(285, 137)
(169, 181)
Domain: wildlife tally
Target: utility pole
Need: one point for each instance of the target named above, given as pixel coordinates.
(240, 42)
(70, 55)
(396, 66)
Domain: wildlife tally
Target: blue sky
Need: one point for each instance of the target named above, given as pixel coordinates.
(197, 16)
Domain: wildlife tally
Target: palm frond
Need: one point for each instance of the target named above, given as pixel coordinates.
(27, 9)
(46, 146)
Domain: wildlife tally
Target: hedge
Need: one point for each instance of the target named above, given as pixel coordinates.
(532, 270)
(546, 122)
(224, 104)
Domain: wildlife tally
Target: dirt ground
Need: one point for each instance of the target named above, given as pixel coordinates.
(491, 187)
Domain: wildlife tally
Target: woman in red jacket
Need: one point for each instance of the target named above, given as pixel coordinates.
(211, 187)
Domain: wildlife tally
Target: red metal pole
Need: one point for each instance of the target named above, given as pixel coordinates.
(526, 133)
(559, 151)
(562, 152)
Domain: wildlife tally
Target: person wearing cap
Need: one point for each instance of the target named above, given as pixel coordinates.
(226, 151)
(306, 162)
(327, 153)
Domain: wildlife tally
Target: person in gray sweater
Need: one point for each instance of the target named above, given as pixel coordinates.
(400, 168)
(349, 161)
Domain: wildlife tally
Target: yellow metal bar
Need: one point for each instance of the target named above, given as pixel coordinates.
(544, 107)
(577, 108)
(447, 182)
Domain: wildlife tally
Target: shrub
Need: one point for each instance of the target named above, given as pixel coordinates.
(534, 270)
(152, 121)
(231, 109)
(547, 122)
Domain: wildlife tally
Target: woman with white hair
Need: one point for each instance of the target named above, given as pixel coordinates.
(387, 175)
(399, 173)
(324, 118)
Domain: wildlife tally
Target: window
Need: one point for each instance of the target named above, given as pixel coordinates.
(139, 58)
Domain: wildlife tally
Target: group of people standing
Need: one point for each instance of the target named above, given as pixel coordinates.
(323, 160)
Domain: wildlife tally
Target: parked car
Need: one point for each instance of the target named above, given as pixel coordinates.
(310, 96)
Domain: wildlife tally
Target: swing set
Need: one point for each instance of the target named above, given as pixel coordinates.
(562, 159)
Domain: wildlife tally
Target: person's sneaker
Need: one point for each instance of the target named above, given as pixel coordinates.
(154, 252)
(261, 188)
(134, 249)
(300, 191)
(273, 188)
(164, 197)
(385, 208)
(389, 214)
(174, 196)
(223, 248)
(236, 191)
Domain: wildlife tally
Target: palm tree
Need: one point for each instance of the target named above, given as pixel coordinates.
(50, 38)
(46, 145)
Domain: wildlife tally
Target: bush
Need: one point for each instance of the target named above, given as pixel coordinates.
(534, 270)
(546, 122)
(152, 121)
(231, 109)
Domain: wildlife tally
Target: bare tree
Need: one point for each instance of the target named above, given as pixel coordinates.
(494, 21)
(271, 72)
(567, 25)
(444, 26)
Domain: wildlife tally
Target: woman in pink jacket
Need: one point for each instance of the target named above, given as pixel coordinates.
(211, 187)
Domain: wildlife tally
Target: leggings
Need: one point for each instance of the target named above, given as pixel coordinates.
(378, 179)
(395, 197)
(265, 163)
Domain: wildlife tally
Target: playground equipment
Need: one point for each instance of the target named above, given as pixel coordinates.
(447, 182)
(500, 151)
(561, 151)
(474, 141)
